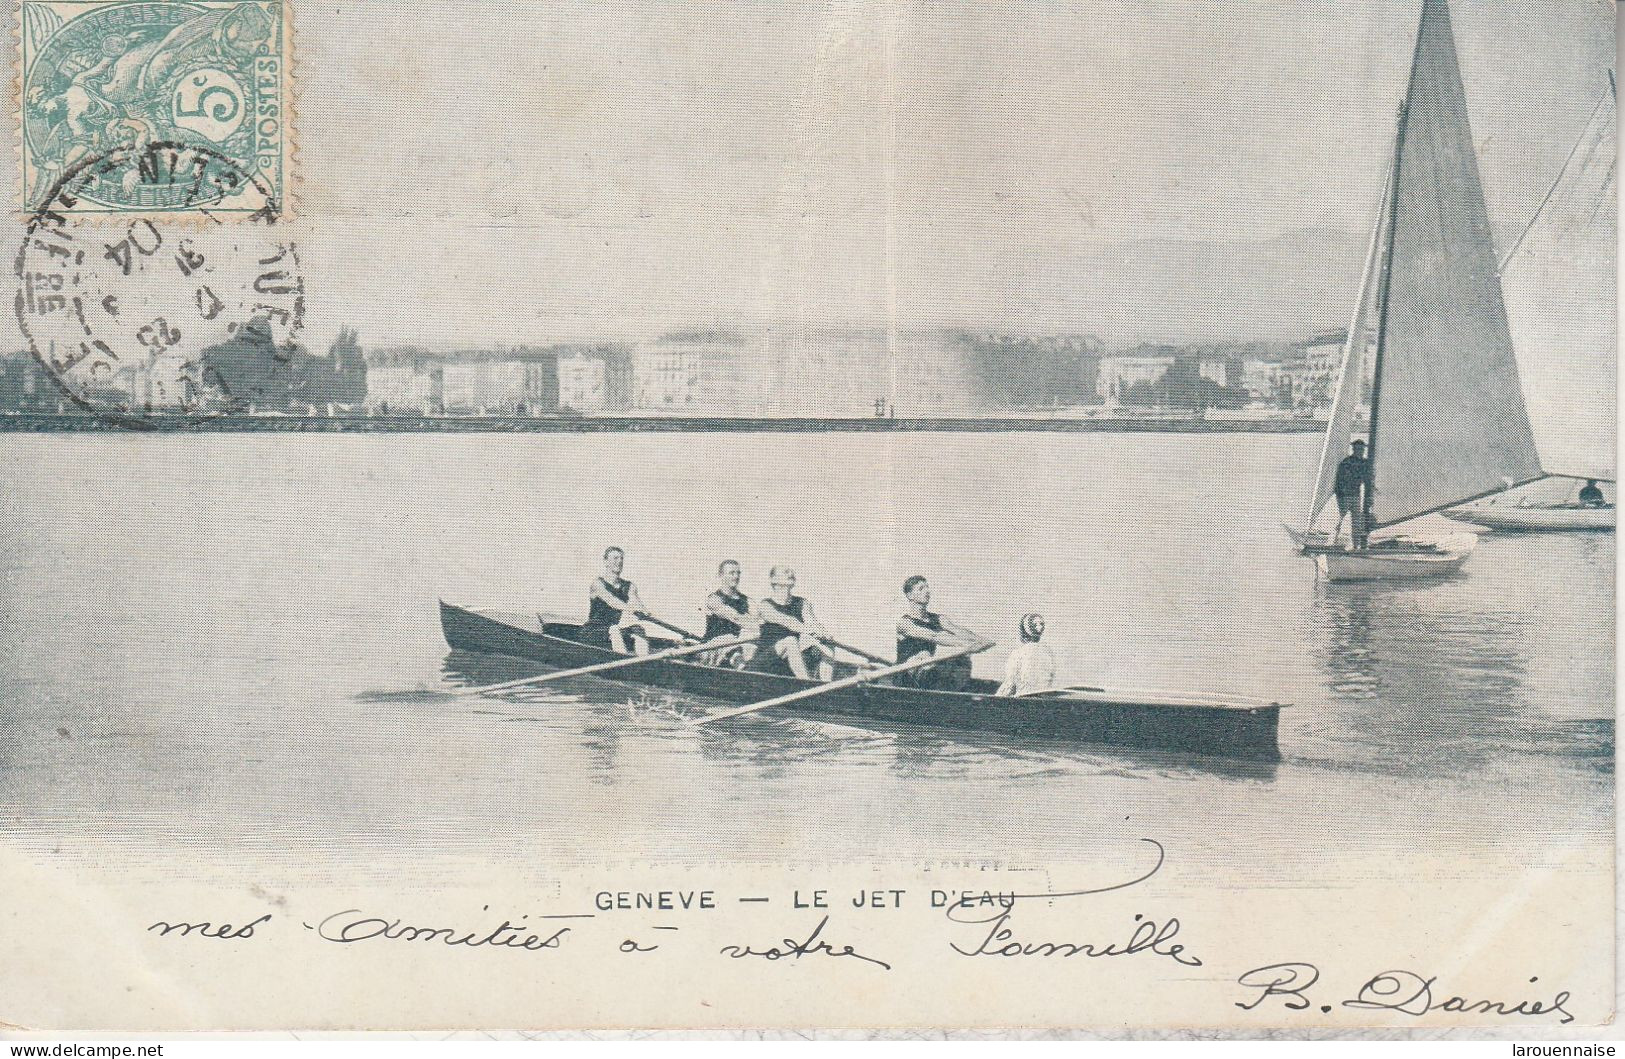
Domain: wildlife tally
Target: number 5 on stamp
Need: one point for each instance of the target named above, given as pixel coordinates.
(103, 77)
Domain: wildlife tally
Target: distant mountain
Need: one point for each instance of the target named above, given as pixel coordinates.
(1279, 289)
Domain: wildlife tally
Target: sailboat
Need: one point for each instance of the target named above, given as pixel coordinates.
(1448, 423)
(1559, 280)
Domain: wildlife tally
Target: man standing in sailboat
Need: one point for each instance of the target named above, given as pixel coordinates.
(1353, 491)
(1446, 400)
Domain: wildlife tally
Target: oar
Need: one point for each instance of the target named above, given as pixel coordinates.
(848, 682)
(604, 667)
(849, 649)
(668, 626)
(860, 652)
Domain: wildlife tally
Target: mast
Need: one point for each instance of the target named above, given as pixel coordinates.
(1346, 398)
(1561, 173)
(1386, 284)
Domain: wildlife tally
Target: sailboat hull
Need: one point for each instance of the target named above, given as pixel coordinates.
(1400, 561)
(1538, 518)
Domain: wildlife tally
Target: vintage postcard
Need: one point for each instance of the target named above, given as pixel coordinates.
(855, 514)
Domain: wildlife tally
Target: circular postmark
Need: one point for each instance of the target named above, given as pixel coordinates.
(135, 315)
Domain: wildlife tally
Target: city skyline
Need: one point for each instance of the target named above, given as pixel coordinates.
(718, 373)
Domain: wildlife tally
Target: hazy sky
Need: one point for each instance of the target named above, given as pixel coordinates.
(533, 171)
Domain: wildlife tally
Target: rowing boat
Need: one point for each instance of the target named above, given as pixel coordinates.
(1192, 723)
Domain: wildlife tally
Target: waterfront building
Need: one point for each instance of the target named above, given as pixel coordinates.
(1258, 378)
(617, 360)
(526, 386)
(1295, 380)
(1306, 377)
(1219, 369)
(541, 381)
(1323, 363)
(1117, 374)
(664, 379)
(405, 387)
(696, 373)
(583, 383)
(132, 388)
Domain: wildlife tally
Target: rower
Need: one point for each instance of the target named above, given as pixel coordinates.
(790, 631)
(1591, 494)
(613, 606)
(1030, 667)
(728, 614)
(920, 631)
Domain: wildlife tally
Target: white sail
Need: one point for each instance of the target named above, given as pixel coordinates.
(1346, 401)
(1448, 418)
(1560, 285)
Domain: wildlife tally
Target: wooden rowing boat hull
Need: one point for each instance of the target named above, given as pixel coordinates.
(1184, 725)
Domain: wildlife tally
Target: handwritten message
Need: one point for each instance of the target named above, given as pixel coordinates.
(1122, 920)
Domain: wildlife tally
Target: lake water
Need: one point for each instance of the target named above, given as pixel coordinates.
(195, 632)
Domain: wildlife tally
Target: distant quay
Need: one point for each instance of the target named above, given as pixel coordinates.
(65, 422)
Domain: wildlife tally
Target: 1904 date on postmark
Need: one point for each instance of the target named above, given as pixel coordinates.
(101, 77)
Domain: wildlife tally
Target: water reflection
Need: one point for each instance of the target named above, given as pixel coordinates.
(1427, 679)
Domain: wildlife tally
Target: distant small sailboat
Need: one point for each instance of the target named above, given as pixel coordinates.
(1526, 516)
(1560, 282)
(1448, 421)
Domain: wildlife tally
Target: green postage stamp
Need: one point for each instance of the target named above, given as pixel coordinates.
(116, 96)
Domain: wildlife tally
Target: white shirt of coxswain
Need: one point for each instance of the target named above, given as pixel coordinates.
(1030, 668)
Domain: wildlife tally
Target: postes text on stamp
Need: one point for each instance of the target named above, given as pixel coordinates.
(100, 76)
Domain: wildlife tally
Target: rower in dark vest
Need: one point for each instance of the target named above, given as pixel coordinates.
(727, 614)
(613, 607)
(790, 630)
(920, 631)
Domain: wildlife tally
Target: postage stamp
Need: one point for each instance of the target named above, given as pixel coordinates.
(128, 315)
(100, 76)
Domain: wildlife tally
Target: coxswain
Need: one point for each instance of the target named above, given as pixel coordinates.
(728, 614)
(613, 608)
(1030, 667)
(1591, 494)
(790, 631)
(920, 631)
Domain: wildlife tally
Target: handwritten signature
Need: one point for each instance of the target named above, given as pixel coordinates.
(1406, 992)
